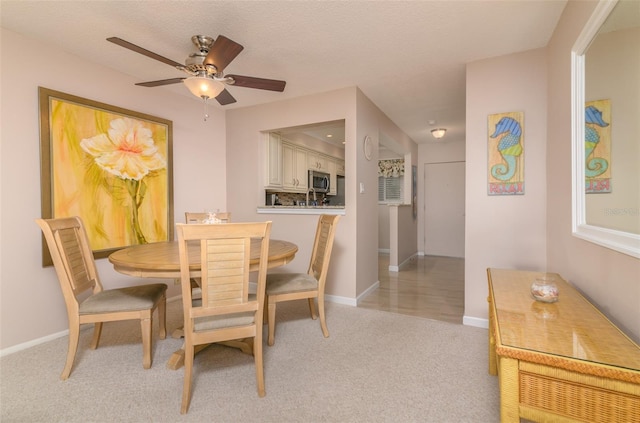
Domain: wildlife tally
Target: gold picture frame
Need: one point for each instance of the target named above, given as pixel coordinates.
(110, 166)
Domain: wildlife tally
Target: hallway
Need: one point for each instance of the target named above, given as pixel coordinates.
(428, 286)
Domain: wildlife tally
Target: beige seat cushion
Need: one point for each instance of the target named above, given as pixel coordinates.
(123, 299)
(279, 283)
(197, 302)
(225, 321)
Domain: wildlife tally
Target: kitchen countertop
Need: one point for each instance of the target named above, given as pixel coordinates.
(301, 210)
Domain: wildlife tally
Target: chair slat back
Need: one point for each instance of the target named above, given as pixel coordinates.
(68, 241)
(225, 254)
(71, 255)
(225, 277)
(322, 246)
(197, 217)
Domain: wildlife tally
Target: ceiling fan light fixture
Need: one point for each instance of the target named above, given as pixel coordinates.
(438, 133)
(204, 87)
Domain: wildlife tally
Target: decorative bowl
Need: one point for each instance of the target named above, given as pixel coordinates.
(545, 289)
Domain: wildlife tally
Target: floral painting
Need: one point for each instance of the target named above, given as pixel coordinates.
(110, 166)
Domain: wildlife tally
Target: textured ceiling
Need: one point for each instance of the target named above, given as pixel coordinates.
(408, 57)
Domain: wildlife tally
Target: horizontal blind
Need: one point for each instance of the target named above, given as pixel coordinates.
(390, 189)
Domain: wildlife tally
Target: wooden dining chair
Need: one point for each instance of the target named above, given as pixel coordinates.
(310, 285)
(200, 217)
(192, 218)
(226, 311)
(76, 269)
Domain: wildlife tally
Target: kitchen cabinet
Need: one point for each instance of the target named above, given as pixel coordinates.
(287, 164)
(317, 161)
(273, 168)
(294, 168)
(333, 179)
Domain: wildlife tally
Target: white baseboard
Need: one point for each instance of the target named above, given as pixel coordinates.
(38, 341)
(475, 321)
(341, 300)
(330, 298)
(367, 292)
(397, 268)
(384, 250)
(34, 342)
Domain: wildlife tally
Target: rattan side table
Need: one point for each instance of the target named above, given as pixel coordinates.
(562, 361)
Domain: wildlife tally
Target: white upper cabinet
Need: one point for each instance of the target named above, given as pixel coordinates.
(287, 165)
(273, 166)
(333, 179)
(317, 161)
(294, 168)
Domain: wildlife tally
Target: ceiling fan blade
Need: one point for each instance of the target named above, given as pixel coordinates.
(225, 98)
(259, 83)
(222, 52)
(160, 82)
(145, 52)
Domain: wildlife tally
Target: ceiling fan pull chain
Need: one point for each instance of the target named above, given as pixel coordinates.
(206, 108)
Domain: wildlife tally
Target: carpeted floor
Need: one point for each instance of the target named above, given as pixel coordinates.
(375, 367)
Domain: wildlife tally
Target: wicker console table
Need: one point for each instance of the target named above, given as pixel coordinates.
(561, 362)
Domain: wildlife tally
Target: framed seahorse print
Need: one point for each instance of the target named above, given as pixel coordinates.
(597, 146)
(505, 139)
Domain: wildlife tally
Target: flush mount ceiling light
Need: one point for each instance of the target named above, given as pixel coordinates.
(438, 133)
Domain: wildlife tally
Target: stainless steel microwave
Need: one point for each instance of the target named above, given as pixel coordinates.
(319, 181)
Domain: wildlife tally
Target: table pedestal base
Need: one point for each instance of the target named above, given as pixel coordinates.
(177, 358)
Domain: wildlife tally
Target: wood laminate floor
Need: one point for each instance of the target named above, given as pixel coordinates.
(427, 286)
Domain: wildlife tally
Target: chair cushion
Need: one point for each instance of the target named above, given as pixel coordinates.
(123, 299)
(281, 283)
(226, 321)
(197, 302)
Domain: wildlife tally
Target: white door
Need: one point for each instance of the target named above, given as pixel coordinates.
(444, 209)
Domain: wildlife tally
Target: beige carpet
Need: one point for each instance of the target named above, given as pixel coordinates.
(375, 367)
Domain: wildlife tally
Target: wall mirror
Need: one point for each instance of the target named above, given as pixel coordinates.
(606, 128)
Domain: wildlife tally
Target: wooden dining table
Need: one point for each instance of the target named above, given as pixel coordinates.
(162, 260)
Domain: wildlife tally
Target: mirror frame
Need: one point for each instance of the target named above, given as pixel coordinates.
(624, 242)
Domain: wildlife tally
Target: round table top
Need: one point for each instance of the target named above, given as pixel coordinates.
(162, 260)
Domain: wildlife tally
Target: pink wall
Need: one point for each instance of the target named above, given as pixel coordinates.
(534, 231)
(354, 261)
(504, 231)
(245, 156)
(198, 156)
(608, 278)
(384, 232)
(404, 235)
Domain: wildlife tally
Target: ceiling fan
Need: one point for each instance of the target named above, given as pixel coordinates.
(205, 68)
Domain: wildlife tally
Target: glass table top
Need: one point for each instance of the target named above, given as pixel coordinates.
(571, 327)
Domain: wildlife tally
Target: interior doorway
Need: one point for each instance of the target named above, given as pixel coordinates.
(444, 192)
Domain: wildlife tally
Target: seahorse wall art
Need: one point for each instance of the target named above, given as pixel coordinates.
(597, 146)
(506, 158)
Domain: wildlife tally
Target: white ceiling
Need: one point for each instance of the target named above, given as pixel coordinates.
(408, 57)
